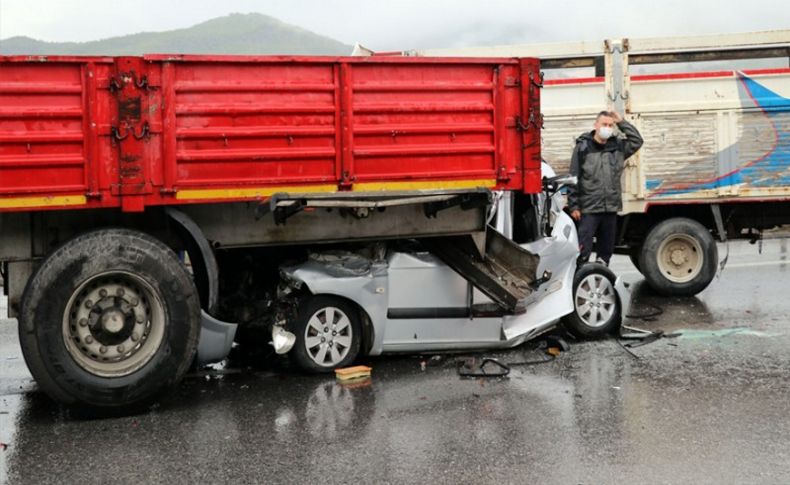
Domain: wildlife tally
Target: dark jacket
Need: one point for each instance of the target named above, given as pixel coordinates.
(599, 169)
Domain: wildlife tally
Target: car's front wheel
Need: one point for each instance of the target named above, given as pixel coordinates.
(328, 334)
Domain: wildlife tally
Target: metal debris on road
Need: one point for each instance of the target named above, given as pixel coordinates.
(471, 368)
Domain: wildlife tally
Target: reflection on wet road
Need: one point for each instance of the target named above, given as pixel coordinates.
(710, 406)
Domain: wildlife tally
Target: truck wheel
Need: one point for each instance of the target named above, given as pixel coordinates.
(328, 334)
(109, 320)
(679, 257)
(596, 309)
(634, 254)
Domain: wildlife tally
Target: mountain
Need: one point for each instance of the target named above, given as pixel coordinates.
(233, 34)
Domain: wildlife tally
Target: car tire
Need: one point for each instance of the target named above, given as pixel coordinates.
(679, 257)
(109, 321)
(328, 333)
(596, 306)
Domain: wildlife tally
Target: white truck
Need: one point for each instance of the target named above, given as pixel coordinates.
(715, 116)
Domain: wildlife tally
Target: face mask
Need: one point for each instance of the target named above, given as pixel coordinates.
(605, 132)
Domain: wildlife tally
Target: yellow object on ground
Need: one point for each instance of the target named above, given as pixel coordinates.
(350, 373)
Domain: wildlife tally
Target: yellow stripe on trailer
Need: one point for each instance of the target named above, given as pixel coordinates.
(250, 192)
(50, 201)
(425, 185)
(260, 192)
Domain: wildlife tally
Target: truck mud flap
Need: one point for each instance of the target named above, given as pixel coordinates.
(502, 270)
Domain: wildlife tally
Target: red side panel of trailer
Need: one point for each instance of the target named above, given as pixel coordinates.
(132, 132)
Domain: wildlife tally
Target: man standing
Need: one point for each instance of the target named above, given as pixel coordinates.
(598, 161)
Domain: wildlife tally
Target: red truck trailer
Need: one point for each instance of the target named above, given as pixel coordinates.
(112, 169)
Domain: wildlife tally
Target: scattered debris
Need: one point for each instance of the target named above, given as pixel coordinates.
(641, 337)
(487, 367)
(552, 345)
(693, 334)
(215, 371)
(554, 351)
(357, 372)
(434, 361)
(553, 341)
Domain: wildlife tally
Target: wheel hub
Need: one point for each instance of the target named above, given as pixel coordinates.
(113, 321)
(678, 256)
(113, 324)
(595, 300)
(328, 336)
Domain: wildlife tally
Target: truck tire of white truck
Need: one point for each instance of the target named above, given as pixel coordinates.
(634, 254)
(679, 257)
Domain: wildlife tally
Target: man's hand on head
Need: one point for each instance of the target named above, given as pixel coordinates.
(616, 116)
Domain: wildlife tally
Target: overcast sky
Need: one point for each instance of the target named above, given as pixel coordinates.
(403, 24)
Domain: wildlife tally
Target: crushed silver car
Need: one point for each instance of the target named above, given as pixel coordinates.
(403, 298)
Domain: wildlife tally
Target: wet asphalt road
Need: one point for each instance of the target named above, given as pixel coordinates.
(710, 406)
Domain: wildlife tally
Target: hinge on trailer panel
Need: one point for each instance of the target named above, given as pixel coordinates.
(114, 85)
(538, 84)
(347, 180)
(116, 134)
(532, 120)
(168, 191)
(117, 83)
(142, 83)
(145, 132)
(93, 195)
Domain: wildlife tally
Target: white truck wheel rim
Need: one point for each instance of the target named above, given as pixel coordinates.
(680, 258)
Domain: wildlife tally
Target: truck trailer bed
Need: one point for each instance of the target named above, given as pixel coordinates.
(131, 132)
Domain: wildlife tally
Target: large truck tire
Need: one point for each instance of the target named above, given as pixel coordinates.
(634, 254)
(109, 321)
(679, 257)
